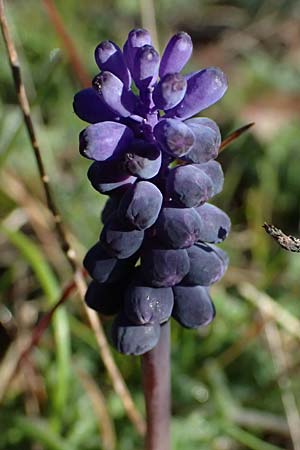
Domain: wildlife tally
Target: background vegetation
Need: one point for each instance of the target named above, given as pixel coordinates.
(236, 384)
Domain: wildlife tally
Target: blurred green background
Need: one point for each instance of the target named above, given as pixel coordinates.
(235, 384)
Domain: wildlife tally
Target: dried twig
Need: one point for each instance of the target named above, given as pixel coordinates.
(24, 351)
(45, 321)
(272, 309)
(37, 214)
(234, 135)
(148, 19)
(240, 345)
(288, 398)
(98, 401)
(9, 364)
(261, 420)
(67, 42)
(25, 108)
(115, 375)
(288, 242)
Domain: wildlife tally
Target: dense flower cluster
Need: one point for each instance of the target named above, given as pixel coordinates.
(156, 256)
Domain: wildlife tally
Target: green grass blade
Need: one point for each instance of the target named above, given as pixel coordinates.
(34, 257)
(247, 439)
(49, 284)
(39, 431)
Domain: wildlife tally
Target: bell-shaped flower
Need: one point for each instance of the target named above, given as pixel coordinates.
(204, 88)
(110, 58)
(176, 54)
(103, 140)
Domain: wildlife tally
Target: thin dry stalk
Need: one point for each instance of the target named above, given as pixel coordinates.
(117, 380)
(147, 9)
(25, 108)
(226, 142)
(67, 43)
(45, 321)
(240, 345)
(28, 381)
(288, 398)
(234, 135)
(268, 306)
(36, 212)
(15, 362)
(106, 426)
(22, 352)
(114, 373)
(261, 420)
(8, 368)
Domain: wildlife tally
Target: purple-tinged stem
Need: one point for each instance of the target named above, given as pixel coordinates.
(156, 383)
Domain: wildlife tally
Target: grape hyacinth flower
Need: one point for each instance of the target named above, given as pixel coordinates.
(156, 256)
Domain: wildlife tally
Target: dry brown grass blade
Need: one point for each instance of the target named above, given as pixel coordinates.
(8, 368)
(272, 313)
(106, 426)
(234, 135)
(261, 420)
(45, 321)
(267, 305)
(67, 43)
(148, 19)
(240, 345)
(25, 108)
(226, 142)
(281, 366)
(23, 351)
(116, 378)
(37, 214)
(114, 373)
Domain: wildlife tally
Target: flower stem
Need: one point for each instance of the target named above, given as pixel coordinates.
(156, 383)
